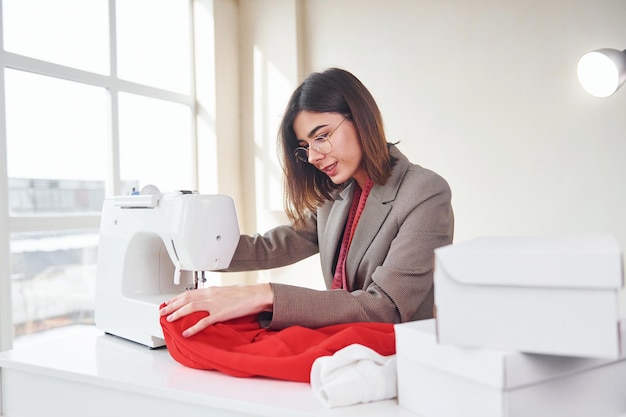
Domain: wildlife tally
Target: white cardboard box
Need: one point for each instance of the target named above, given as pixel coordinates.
(436, 380)
(551, 295)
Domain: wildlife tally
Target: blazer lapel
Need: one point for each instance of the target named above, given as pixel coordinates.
(377, 208)
(333, 230)
(332, 220)
(372, 218)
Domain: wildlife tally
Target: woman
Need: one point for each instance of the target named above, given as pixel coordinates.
(374, 218)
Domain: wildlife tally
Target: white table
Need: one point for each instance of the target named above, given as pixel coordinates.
(87, 373)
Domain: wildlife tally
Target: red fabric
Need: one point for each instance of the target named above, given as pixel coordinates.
(358, 204)
(242, 348)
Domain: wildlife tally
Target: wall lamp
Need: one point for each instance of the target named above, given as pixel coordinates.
(602, 72)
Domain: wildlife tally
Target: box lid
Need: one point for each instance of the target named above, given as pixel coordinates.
(574, 261)
(501, 369)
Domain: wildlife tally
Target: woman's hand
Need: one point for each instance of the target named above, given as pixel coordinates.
(222, 304)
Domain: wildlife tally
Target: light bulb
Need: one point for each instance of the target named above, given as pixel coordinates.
(602, 72)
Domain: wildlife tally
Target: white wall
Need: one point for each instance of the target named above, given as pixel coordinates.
(485, 93)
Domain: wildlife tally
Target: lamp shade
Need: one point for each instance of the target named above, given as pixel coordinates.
(602, 72)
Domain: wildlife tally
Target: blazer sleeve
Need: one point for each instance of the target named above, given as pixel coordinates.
(278, 247)
(394, 280)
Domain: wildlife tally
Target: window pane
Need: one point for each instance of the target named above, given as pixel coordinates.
(155, 143)
(33, 196)
(73, 33)
(56, 131)
(158, 54)
(53, 279)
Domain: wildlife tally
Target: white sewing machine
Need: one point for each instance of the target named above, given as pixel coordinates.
(152, 247)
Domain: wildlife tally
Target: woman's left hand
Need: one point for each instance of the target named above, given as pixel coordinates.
(222, 304)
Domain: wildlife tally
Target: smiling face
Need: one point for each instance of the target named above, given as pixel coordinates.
(343, 161)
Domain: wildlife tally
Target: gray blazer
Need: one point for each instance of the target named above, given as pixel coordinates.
(389, 268)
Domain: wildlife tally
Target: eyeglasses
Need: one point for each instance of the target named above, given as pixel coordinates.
(320, 143)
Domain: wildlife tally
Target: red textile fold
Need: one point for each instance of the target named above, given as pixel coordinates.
(242, 348)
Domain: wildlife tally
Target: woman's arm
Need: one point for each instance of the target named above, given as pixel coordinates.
(278, 247)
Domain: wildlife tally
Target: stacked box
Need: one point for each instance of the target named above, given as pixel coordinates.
(525, 326)
(437, 380)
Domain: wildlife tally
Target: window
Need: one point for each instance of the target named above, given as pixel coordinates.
(98, 98)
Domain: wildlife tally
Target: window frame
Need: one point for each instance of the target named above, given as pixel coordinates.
(199, 19)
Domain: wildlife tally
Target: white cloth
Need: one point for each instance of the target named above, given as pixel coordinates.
(354, 374)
